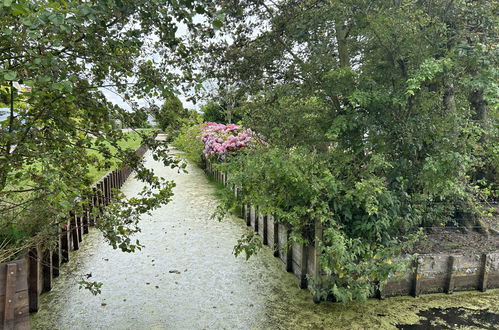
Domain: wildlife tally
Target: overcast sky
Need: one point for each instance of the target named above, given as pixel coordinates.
(115, 98)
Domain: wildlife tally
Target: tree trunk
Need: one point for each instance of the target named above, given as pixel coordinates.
(341, 38)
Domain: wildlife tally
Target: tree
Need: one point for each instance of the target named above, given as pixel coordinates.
(380, 109)
(171, 116)
(65, 52)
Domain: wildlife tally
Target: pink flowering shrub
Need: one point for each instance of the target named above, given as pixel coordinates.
(220, 139)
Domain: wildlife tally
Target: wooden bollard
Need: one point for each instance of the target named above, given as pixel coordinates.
(65, 241)
(47, 265)
(74, 231)
(34, 279)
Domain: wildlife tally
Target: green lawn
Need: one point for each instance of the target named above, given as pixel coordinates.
(133, 141)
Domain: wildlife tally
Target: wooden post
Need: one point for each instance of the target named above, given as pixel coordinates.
(303, 266)
(100, 198)
(56, 256)
(248, 215)
(47, 264)
(65, 241)
(416, 284)
(316, 271)
(93, 207)
(79, 225)
(262, 227)
(10, 293)
(106, 190)
(289, 253)
(120, 177)
(450, 275)
(34, 283)
(84, 217)
(275, 234)
(74, 231)
(484, 273)
(253, 219)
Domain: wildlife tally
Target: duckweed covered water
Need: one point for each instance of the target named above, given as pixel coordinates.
(186, 277)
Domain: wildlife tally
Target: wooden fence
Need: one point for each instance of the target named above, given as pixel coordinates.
(430, 273)
(22, 281)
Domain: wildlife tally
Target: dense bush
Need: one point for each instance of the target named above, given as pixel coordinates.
(189, 141)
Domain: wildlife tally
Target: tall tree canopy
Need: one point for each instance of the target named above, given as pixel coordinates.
(380, 116)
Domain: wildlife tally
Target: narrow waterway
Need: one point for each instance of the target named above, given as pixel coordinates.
(186, 277)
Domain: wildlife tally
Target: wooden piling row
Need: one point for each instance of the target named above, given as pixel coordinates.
(429, 273)
(22, 281)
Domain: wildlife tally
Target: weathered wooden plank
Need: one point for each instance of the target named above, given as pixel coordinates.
(484, 273)
(272, 234)
(247, 216)
(74, 231)
(46, 271)
(253, 220)
(108, 190)
(93, 208)
(285, 251)
(65, 241)
(84, 218)
(314, 268)
(22, 273)
(21, 310)
(34, 279)
(416, 284)
(299, 257)
(262, 227)
(56, 256)
(10, 291)
(451, 279)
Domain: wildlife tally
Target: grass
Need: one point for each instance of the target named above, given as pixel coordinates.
(132, 141)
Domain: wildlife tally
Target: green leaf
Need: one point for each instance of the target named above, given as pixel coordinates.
(217, 24)
(10, 75)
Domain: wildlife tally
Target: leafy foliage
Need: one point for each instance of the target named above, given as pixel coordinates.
(381, 117)
(63, 54)
(189, 141)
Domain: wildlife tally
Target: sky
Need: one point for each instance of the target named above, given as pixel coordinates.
(115, 98)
